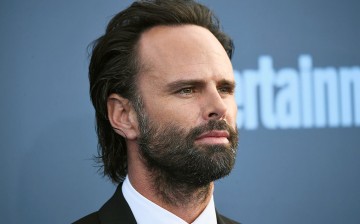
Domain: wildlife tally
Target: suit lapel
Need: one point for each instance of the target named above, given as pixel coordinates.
(116, 210)
(223, 220)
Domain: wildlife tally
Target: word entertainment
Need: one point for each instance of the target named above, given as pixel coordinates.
(305, 98)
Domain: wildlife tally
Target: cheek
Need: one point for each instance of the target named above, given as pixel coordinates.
(172, 113)
(187, 115)
(173, 107)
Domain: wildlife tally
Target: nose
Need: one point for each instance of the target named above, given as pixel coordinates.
(214, 106)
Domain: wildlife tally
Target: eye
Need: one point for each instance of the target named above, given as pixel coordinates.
(226, 90)
(186, 91)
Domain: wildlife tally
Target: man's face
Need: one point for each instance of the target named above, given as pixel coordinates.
(187, 126)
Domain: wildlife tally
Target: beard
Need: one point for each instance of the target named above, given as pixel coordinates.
(178, 166)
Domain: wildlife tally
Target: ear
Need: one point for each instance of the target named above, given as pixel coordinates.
(122, 116)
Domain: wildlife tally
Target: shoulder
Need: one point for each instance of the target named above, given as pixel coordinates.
(224, 220)
(115, 210)
(92, 218)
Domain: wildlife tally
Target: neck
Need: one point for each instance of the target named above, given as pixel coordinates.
(178, 194)
(183, 200)
(184, 203)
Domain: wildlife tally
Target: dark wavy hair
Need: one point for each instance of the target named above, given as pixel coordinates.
(114, 65)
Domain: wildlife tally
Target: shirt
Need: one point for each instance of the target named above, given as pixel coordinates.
(147, 212)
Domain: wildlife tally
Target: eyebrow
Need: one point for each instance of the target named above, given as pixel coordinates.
(227, 83)
(197, 83)
(184, 83)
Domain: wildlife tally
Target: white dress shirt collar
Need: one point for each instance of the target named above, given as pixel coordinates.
(147, 212)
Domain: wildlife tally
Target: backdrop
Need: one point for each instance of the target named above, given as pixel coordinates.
(297, 67)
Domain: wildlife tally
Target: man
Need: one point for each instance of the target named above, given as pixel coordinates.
(162, 85)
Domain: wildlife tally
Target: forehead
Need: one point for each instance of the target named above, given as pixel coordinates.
(173, 52)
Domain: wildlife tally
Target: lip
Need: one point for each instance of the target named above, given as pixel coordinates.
(214, 137)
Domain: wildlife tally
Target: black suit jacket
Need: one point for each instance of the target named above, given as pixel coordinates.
(117, 211)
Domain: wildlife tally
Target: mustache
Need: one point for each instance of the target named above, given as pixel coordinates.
(212, 125)
(182, 136)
